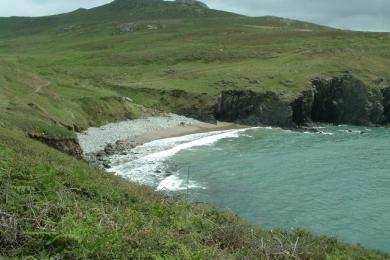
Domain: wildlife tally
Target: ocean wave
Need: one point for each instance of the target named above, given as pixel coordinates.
(203, 140)
(147, 164)
(174, 183)
(325, 133)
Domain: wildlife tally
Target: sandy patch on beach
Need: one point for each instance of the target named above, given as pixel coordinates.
(145, 130)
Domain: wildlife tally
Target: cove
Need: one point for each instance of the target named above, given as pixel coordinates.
(334, 183)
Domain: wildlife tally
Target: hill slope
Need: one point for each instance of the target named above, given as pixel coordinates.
(64, 73)
(117, 11)
(89, 58)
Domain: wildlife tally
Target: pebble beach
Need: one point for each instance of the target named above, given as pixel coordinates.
(140, 131)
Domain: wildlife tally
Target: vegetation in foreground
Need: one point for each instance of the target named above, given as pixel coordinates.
(63, 73)
(52, 205)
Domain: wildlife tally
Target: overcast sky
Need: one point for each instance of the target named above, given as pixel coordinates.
(370, 15)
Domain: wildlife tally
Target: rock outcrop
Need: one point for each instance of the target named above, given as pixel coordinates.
(66, 145)
(302, 108)
(386, 104)
(127, 27)
(197, 106)
(346, 100)
(337, 100)
(192, 3)
(251, 108)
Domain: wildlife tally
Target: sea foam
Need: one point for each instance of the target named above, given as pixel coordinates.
(147, 164)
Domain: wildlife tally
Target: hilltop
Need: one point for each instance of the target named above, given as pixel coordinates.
(64, 73)
(116, 11)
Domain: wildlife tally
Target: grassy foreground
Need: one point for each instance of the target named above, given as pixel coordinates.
(64, 73)
(52, 205)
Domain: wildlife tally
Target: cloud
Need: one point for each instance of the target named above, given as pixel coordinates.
(44, 7)
(347, 14)
(369, 15)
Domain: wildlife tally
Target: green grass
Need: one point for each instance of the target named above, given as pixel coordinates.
(54, 81)
(196, 56)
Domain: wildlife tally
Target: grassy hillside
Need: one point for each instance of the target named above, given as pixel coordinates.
(71, 57)
(64, 73)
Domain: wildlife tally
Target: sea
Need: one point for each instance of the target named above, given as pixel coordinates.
(333, 182)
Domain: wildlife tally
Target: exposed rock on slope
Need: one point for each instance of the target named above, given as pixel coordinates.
(192, 3)
(66, 145)
(251, 108)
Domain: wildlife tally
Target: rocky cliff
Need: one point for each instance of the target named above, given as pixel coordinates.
(302, 107)
(251, 108)
(338, 100)
(386, 104)
(346, 100)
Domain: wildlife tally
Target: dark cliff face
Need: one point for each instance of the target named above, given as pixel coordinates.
(346, 100)
(302, 108)
(339, 100)
(386, 104)
(198, 106)
(251, 108)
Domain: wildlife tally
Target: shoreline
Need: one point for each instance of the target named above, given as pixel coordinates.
(178, 131)
(98, 143)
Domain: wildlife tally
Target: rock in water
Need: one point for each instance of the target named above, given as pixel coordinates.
(109, 149)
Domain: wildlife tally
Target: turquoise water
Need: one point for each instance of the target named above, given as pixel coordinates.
(335, 184)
